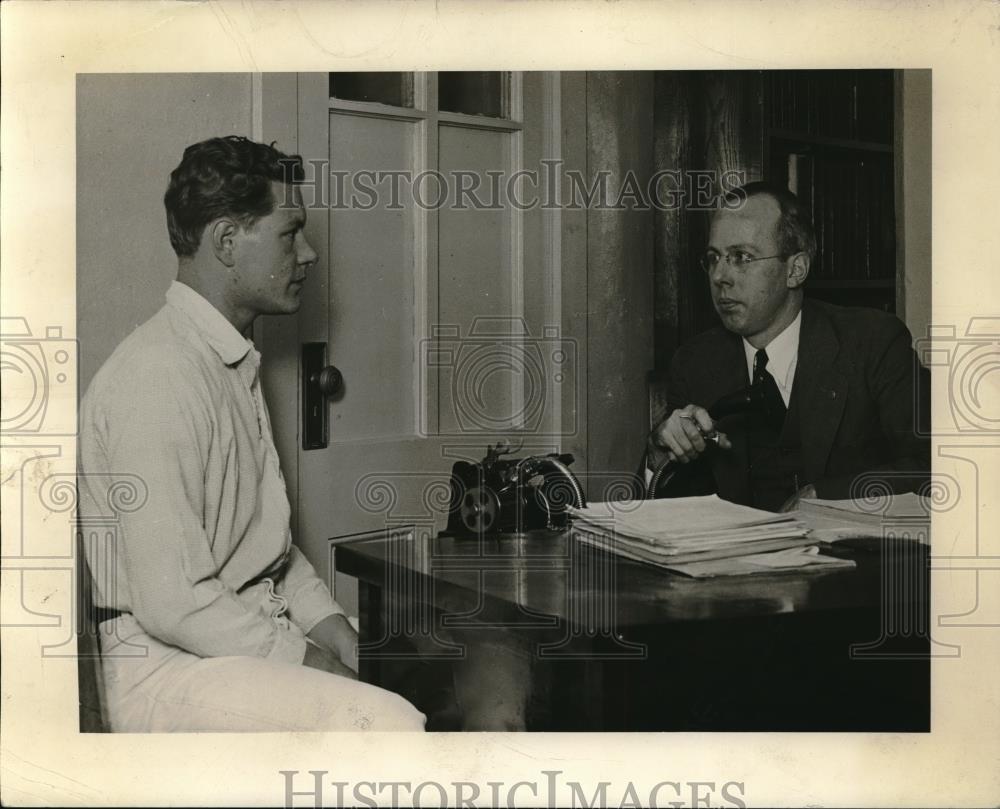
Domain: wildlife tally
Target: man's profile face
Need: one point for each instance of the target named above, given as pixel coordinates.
(272, 257)
(749, 299)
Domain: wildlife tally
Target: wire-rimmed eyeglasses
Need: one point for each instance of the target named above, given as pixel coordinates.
(738, 260)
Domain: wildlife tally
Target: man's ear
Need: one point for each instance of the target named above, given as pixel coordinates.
(798, 270)
(222, 233)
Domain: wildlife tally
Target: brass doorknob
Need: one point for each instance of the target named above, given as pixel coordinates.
(329, 380)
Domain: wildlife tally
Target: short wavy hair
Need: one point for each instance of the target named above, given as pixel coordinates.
(228, 176)
(795, 229)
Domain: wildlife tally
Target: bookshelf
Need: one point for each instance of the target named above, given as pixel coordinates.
(828, 136)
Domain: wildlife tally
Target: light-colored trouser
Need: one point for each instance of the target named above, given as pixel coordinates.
(155, 688)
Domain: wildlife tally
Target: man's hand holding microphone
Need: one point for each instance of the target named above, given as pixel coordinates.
(683, 436)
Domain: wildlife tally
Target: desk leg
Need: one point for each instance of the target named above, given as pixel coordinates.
(372, 623)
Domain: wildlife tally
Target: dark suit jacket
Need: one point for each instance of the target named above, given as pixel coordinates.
(856, 386)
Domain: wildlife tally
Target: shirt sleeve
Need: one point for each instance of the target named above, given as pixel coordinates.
(160, 430)
(309, 599)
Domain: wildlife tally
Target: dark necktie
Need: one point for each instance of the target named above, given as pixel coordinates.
(766, 391)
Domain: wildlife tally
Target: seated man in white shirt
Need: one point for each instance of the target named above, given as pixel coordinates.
(836, 388)
(235, 631)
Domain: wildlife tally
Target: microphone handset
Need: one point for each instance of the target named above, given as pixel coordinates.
(741, 401)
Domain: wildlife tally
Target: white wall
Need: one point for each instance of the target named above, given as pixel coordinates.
(131, 132)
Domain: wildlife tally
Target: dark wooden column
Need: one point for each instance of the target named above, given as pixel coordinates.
(708, 127)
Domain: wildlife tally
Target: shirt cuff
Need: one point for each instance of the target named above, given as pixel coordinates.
(288, 648)
(308, 626)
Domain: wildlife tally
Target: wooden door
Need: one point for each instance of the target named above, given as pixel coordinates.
(444, 319)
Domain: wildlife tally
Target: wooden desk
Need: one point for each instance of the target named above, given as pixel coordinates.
(618, 645)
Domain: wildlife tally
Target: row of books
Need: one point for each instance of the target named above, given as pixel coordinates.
(847, 104)
(851, 199)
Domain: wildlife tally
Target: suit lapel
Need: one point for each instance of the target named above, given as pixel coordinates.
(819, 389)
(731, 366)
(730, 468)
(722, 369)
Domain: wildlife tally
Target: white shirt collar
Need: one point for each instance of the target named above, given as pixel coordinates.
(782, 357)
(219, 333)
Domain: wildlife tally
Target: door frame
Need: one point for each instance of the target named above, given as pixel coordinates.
(285, 101)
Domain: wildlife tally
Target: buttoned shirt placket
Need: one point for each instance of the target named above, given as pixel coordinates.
(249, 370)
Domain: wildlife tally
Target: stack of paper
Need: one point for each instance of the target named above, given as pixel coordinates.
(686, 529)
(790, 559)
(831, 520)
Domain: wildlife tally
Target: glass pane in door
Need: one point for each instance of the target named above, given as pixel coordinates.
(394, 89)
(474, 93)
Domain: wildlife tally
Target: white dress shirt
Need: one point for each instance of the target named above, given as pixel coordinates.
(205, 562)
(782, 357)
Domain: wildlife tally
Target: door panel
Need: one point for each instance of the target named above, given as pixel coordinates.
(372, 257)
(395, 287)
(475, 283)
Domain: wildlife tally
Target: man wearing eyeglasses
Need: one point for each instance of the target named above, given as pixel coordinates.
(832, 388)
